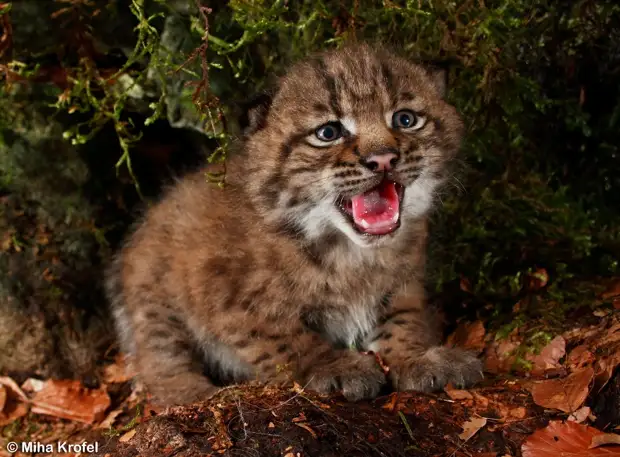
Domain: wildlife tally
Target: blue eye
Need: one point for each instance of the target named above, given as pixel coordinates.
(404, 119)
(329, 132)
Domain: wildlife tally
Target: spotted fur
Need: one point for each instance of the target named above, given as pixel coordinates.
(266, 278)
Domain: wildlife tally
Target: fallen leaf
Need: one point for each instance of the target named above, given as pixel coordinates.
(605, 438)
(468, 335)
(13, 401)
(471, 427)
(127, 436)
(605, 367)
(549, 357)
(12, 411)
(499, 356)
(69, 399)
(2, 397)
(565, 439)
(108, 422)
(580, 415)
(579, 357)
(391, 404)
(481, 400)
(566, 394)
(458, 394)
(13, 387)
(118, 371)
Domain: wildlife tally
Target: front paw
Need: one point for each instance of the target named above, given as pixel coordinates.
(357, 375)
(436, 368)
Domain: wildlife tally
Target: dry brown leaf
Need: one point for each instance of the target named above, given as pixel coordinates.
(471, 427)
(13, 387)
(118, 371)
(605, 438)
(549, 357)
(2, 397)
(481, 400)
(469, 335)
(579, 357)
(605, 367)
(580, 415)
(108, 422)
(565, 439)
(391, 404)
(13, 401)
(499, 356)
(68, 399)
(12, 410)
(566, 394)
(458, 394)
(127, 436)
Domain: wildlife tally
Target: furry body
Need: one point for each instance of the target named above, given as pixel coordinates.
(281, 271)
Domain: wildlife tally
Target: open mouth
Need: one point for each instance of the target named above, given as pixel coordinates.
(376, 211)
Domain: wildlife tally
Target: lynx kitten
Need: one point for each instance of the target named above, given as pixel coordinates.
(311, 253)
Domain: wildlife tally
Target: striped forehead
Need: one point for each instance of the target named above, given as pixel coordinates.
(352, 85)
(359, 83)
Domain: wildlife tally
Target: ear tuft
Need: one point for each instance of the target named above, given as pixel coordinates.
(254, 116)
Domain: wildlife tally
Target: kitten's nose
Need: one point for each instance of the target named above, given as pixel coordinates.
(381, 162)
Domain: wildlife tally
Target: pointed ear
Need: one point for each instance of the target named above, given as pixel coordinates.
(439, 70)
(254, 115)
(439, 76)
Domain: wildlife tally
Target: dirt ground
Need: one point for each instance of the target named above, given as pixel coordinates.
(567, 402)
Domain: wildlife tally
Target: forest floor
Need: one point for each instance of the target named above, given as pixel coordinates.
(567, 403)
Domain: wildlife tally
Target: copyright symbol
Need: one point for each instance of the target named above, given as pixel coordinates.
(12, 447)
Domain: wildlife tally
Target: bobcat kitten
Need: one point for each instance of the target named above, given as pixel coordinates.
(312, 251)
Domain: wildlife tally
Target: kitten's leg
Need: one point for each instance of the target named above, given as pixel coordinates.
(315, 363)
(411, 348)
(166, 359)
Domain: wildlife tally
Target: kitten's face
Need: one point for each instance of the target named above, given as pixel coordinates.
(355, 141)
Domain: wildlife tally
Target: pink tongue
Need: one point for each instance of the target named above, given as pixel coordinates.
(376, 212)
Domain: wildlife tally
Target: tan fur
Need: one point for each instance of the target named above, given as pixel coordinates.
(233, 284)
